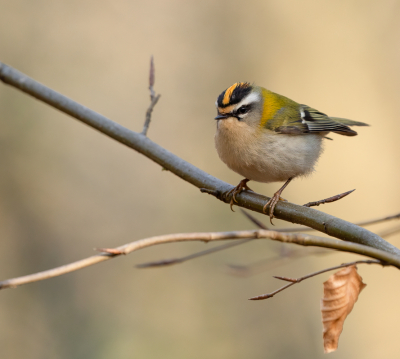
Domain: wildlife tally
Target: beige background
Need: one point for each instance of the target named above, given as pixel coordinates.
(65, 189)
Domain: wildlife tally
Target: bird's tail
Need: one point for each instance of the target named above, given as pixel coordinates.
(348, 122)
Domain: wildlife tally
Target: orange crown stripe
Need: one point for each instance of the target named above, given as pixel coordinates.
(229, 91)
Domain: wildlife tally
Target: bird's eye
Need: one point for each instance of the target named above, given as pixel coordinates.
(243, 109)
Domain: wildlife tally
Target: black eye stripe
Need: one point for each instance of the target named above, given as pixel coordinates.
(243, 109)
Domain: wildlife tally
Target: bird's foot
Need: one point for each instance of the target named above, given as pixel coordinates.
(237, 190)
(274, 200)
(272, 203)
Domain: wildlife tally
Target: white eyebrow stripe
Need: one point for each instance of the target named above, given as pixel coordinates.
(253, 97)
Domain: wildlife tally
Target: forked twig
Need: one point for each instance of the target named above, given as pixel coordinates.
(301, 239)
(328, 200)
(171, 261)
(294, 281)
(153, 98)
(269, 263)
(260, 266)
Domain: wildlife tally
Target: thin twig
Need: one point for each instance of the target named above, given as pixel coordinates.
(254, 220)
(171, 261)
(268, 263)
(309, 217)
(236, 270)
(152, 78)
(300, 239)
(379, 220)
(294, 281)
(328, 200)
(389, 232)
(245, 271)
(153, 98)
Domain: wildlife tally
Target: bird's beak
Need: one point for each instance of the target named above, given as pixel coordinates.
(222, 116)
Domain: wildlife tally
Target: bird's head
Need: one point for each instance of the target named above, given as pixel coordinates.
(241, 102)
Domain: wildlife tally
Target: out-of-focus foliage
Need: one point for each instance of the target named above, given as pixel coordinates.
(65, 188)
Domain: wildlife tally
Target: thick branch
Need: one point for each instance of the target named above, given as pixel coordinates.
(287, 211)
(305, 229)
(301, 239)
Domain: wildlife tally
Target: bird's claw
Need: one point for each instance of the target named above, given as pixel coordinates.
(237, 190)
(274, 200)
(272, 203)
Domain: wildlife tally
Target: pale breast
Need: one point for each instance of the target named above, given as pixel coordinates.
(266, 156)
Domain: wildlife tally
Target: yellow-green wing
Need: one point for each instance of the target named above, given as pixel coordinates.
(306, 119)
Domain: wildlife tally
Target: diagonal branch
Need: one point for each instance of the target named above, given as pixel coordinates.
(305, 229)
(294, 281)
(301, 239)
(320, 221)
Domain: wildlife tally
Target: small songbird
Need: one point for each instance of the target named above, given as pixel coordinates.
(266, 137)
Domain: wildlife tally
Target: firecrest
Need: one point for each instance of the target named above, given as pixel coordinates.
(266, 137)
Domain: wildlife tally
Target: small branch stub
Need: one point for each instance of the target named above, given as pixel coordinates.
(328, 200)
(153, 98)
(113, 251)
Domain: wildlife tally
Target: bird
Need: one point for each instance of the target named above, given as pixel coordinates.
(266, 137)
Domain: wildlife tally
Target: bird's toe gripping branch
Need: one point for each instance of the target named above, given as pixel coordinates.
(237, 190)
(274, 200)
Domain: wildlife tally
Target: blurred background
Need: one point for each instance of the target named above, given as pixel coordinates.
(65, 188)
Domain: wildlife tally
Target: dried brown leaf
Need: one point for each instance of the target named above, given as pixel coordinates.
(341, 292)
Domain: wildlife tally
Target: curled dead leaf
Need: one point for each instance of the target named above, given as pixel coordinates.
(341, 292)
